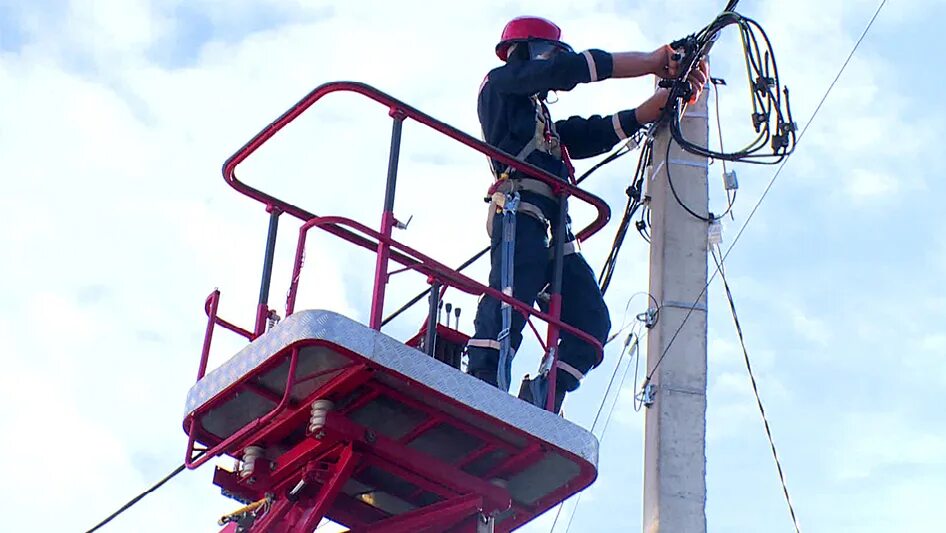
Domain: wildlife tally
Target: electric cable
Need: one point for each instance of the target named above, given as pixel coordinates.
(765, 192)
(771, 114)
(634, 202)
(624, 321)
(138, 498)
(755, 389)
(426, 292)
(635, 356)
(730, 194)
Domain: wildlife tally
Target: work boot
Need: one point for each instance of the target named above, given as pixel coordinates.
(535, 391)
(487, 375)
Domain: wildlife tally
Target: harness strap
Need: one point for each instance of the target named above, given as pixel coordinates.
(484, 343)
(508, 186)
(497, 206)
(565, 367)
(544, 139)
(506, 353)
(572, 247)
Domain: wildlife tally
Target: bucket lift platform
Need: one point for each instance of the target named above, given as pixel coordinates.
(329, 418)
(334, 419)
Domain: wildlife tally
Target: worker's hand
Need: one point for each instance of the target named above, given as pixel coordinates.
(698, 77)
(653, 107)
(663, 64)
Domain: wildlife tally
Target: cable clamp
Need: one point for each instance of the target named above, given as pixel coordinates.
(686, 162)
(647, 395)
(648, 317)
(758, 119)
(715, 233)
(696, 306)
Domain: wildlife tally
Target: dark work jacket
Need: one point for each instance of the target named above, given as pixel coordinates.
(507, 113)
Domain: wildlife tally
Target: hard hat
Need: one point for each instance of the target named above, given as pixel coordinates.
(542, 33)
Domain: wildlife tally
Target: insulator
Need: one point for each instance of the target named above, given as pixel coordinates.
(250, 455)
(320, 409)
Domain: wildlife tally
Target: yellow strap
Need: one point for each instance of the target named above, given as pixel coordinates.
(225, 519)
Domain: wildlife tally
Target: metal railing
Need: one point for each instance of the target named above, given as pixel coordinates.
(381, 242)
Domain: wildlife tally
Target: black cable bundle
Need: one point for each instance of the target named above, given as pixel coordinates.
(771, 110)
(634, 202)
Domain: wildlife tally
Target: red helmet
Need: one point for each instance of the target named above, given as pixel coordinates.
(521, 29)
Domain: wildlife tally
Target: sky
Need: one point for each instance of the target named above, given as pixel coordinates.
(116, 224)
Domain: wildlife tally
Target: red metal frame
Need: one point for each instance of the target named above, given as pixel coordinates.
(193, 462)
(456, 488)
(210, 307)
(342, 448)
(383, 247)
(446, 275)
(433, 517)
(401, 109)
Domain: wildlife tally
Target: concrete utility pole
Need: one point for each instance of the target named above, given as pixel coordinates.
(675, 424)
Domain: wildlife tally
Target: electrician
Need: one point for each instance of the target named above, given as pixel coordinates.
(515, 119)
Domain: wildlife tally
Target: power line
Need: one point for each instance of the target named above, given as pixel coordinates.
(765, 192)
(635, 357)
(604, 399)
(138, 498)
(805, 129)
(721, 261)
(755, 390)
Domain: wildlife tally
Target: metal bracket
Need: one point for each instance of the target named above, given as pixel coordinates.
(648, 395)
(649, 317)
(546, 365)
(485, 524)
(714, 233)
(403, 225)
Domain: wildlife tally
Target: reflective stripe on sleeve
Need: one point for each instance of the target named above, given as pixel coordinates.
(592, 68)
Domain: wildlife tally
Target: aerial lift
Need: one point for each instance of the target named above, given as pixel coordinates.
(328, 418)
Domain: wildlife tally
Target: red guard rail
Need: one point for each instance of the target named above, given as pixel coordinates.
(397, 107)
(380, 241)
(425, 265)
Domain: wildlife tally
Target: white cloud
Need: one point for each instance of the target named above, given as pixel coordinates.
(811, 329)
(934, 343)
(865, 185)
(865, 445)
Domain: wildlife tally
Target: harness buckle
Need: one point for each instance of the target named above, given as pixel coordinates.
(499, 200)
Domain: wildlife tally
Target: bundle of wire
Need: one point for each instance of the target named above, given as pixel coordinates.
(634, 202)
(771, 119)
(771, 109)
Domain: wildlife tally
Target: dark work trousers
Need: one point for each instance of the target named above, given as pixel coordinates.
(582, 304)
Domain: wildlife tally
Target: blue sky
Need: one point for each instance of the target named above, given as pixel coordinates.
(117, 116)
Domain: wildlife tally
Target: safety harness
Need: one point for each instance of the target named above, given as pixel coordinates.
(504, 198)
(544, 139)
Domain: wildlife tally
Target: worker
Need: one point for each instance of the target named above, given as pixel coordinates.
(515, 119)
